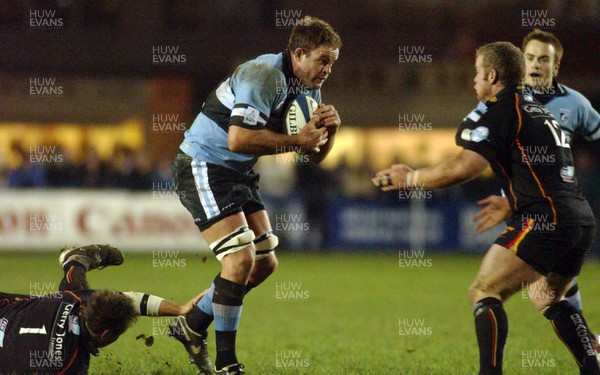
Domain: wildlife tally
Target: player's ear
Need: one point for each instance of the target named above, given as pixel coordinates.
(298, 52)
(556, 68)
(493, 76)
(106, 334)
(107, 337)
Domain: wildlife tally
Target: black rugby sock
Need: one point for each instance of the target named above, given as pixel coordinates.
(200, 317)
(249, 287)
(227, 310)
(572, 329)
(491, 326)
(199, 321)
(572, 290)
(225, 349)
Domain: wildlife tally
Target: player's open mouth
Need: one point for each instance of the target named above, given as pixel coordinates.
(535, 75)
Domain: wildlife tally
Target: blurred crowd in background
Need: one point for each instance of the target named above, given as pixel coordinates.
(126, 169)
(313, 185)
(135, 170)
(286, 186)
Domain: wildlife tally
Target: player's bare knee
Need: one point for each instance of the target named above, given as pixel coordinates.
(244, 262)
(480, 289)
(472, 294)
(543, 305)
(239, 265)
(543, 300)
(273, 264)
(263, 268)
(548, 290)
(267, 265)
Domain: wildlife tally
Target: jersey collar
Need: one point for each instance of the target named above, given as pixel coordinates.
(560, 89)
(507, 91)
(287, 66)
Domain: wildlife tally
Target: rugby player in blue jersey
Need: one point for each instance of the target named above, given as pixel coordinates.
(240, 121)
(543, 52)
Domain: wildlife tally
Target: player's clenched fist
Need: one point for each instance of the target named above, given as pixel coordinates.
(394, 178)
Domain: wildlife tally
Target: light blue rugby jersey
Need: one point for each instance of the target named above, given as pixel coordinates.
(570, 108)
(253, 97)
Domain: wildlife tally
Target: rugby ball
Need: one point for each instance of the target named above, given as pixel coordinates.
(298, 113)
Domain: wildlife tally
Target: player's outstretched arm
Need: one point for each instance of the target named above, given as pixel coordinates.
(149, 305)
(460, 168)
(496, 210)
(267, 142)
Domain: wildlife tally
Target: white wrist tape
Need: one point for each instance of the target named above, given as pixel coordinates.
(412, 179)
(416, 178)
(145, 304)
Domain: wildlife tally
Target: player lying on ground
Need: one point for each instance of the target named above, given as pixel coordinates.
(57, 333)
(552, 226)
(543, 53)
(240, 121)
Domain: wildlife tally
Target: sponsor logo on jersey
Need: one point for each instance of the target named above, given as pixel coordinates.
(475, 135)
(3, 324)
(251, 116)
(74, 324)
(58, 337)
(565, 115)
(536, 110)
(567, 174)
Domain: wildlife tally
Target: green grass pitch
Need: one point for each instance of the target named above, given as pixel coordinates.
(325, 314)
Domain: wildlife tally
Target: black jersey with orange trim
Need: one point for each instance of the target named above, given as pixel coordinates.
(44, 334)
(531, 156)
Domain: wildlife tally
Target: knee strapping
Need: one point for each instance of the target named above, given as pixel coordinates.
(237, 240)
(265, 244)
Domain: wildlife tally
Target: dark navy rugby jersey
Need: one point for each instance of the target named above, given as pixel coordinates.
(44, 334)
(530, 155)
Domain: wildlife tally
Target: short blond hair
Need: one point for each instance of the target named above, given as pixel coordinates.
(506, 59)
